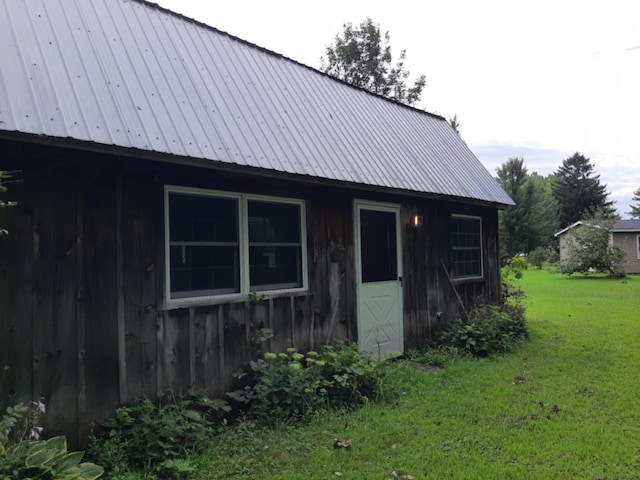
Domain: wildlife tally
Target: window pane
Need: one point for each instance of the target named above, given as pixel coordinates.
(195, 218)
(275, 249)
(202, 270)
(204, 256)
(273, 222)
(466, 263)
(378, 246)
(275, 267)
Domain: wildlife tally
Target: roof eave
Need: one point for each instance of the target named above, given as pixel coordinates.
(219, 165)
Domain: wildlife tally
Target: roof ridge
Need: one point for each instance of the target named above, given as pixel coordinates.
(284, 57)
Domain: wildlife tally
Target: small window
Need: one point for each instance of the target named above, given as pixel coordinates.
(204, 247)
(466, 246)
(224, 244)
(275, 247)
(638, 246)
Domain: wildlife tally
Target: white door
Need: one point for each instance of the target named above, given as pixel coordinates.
(379, 277)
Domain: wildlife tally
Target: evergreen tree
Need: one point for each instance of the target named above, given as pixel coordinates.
(578, 191)
(635, 209)
(362, 57)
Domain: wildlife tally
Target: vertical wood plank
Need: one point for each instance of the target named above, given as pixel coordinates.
(160, 366)
(221, 345)
(292, 322)
(122, 354)
(192, 347)
(270, 323)
(81, 317)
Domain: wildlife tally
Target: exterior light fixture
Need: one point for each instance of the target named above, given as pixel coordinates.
(416, 221)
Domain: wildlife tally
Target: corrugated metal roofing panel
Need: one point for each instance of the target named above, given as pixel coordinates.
(131, 74)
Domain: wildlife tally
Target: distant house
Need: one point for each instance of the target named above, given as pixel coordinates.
(185, 192)
(625, 234)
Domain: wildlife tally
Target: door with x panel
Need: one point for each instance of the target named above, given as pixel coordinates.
(379, 277)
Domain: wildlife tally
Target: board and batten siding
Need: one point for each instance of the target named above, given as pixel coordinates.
(84, 322)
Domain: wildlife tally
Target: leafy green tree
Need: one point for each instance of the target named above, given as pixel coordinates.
(545, 216)
(635, 209)
(532, 221)
(515, 222)
(589, 248)
(361, 56)
(578, 191)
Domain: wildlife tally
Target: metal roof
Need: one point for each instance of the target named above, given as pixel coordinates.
(629, 225)
(134, 75)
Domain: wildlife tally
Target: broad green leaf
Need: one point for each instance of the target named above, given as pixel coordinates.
(68, 461)
(35, 472)
(40, 457)
(59, 443)
(90, 471)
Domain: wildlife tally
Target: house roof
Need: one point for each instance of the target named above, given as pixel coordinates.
(619, 226)
(133, 75)
(631, 225)
(573, 225)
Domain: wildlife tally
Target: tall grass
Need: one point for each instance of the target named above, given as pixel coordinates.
(565, 405)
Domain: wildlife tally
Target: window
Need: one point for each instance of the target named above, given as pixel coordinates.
(466, 246)
(638, 245)
(221, 244)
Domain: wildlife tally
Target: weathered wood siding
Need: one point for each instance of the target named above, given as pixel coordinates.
(83, 320)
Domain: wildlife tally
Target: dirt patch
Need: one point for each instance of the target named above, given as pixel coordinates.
(428, 368)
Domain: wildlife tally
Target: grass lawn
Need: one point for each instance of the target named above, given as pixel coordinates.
(565, 405)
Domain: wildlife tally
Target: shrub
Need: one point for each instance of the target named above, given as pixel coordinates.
(156, 437)
(292, 384)
(284, 385)
(537, 257)
(350, 375)
(489, 330)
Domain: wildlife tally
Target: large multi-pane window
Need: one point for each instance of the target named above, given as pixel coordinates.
(466, 246)
(226, 244)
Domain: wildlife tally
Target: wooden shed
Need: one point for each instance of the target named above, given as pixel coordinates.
(183, 191)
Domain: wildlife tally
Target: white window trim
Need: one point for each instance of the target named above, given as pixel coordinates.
(638, 246)
(243, 241)
(472, 277)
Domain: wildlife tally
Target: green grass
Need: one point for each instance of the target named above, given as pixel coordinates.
(565, 405)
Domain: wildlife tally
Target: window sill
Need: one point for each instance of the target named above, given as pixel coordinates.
(226, 300)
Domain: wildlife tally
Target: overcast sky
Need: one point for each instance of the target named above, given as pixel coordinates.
(539, 79)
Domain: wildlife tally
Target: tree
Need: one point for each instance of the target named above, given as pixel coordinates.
(455, 123)
(532, 221)
(578, 191)
(515, 222)
(589, 248)
(635, 209)
(360, 57)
